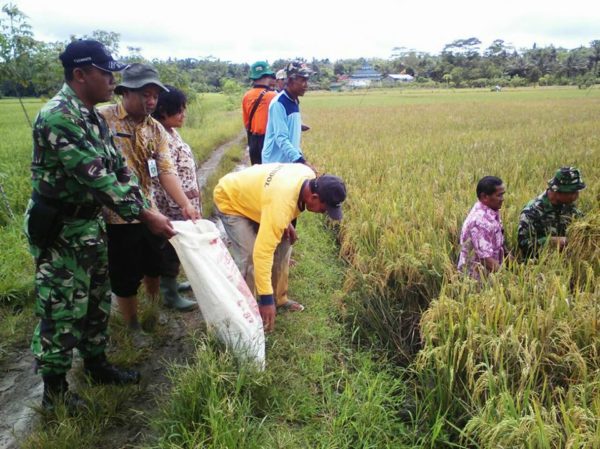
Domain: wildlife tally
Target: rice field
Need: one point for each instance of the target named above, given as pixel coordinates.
(511, 363)
(514, 362)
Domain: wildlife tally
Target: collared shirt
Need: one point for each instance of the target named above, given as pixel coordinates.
(75, 160)
(540, 220)
(138, 143)
(183, 158)
(284, 128)
(266, 194)
(259, 119)
(481, 237)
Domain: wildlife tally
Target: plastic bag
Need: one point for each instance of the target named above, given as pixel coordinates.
(223, 296)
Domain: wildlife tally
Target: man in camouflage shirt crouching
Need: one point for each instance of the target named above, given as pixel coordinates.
(75, 171)
(545, 219)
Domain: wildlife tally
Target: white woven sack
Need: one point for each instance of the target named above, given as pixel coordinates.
(223, 296)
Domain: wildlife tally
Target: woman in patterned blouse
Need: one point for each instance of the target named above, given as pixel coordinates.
(170, 112)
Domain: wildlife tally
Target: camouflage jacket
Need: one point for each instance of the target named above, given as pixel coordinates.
(540, 219)
(75, 160)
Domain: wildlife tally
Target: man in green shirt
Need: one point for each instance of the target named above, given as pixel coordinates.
(75, 171)
(544, 220)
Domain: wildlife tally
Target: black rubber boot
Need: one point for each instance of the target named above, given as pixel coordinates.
(184, 286)
(56, 390)
(171, 298)
(100, 371)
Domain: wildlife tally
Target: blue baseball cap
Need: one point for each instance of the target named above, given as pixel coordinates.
(84, 52)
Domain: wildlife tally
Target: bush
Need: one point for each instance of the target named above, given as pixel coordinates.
(517, 81)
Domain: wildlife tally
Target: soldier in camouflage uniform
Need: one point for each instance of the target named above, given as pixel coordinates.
(545, 219)
(76, 170)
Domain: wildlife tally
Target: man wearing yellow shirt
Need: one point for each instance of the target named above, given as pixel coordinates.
(257, 206)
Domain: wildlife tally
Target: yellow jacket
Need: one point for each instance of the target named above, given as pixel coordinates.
(267, 194)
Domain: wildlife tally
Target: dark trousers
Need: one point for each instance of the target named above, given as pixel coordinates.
(133, 252)
(255, 145)
(169, 263)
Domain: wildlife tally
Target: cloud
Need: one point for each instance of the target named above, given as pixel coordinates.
(229, 29)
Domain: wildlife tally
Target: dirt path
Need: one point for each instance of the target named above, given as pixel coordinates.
(211, 164)
(21, 389)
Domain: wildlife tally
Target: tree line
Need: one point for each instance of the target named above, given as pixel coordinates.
(29, 67)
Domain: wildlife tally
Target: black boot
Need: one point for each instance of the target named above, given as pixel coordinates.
(101, 372)
(56, 390)
(171, 298)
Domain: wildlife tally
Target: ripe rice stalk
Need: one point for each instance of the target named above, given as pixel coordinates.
(583, 249)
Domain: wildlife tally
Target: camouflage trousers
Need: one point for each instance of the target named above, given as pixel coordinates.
(72, 296)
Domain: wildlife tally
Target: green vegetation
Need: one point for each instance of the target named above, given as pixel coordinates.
(210, 122)
(394, 348)
(109, 407)
(512, 363)
(15, 159)
(16, 326)
(113, 407)
(318, 391)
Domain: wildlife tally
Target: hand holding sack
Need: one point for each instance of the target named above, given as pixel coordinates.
(226, 302)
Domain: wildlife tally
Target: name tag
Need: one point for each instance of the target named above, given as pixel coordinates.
(152, 168)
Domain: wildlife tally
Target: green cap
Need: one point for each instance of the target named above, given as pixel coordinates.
(566, 180)
(260, 69)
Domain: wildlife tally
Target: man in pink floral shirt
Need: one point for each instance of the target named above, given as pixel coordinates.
(482, 235)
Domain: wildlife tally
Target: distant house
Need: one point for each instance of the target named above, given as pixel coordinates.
(364, 77)
(395, 79)
(401, 78)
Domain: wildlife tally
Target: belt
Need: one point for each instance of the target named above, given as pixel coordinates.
(72, 210)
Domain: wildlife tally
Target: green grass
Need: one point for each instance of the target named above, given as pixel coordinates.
(111, 409)
(15, 156)
(318, 390)
(210, 123)
(15, 330)
(108, 408)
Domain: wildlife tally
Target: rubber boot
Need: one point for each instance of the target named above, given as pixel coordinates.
(184, 286)
(56, 390)
(171, 299)
(100, 371)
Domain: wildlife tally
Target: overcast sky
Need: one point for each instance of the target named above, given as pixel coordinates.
(239, 31)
